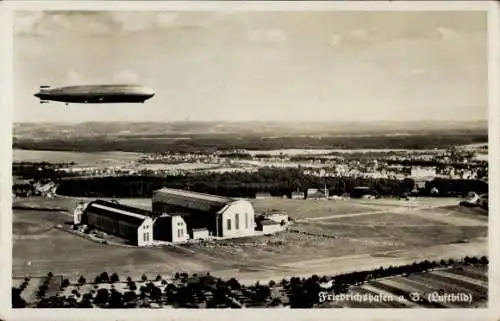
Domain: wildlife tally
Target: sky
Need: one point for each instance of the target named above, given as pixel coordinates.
(248, 66)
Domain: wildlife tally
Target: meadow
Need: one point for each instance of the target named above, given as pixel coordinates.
(327, 245)
(38, 248)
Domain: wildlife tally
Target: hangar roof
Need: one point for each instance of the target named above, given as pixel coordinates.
(178, 199)
(119, 212)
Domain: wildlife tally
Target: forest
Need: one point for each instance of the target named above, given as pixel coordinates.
(277, 182)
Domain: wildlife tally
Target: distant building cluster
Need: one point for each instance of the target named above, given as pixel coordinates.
(393, 165)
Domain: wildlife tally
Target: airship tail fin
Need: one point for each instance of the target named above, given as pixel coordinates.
(44, 86)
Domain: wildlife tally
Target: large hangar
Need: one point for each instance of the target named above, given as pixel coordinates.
(177, 216)
(196, 212)
(133, 224)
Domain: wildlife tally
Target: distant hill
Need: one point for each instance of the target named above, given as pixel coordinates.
(40, 131)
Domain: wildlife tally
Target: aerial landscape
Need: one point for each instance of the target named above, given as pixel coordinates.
(203, 195)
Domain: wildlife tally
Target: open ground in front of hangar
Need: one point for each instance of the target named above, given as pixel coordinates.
(353, 235)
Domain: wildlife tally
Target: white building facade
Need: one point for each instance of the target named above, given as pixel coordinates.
(221, 216)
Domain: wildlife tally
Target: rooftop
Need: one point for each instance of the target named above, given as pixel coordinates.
(216, 200)
(119, 212)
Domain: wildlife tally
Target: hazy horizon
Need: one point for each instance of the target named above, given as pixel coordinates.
(328, 66)
(281, 122)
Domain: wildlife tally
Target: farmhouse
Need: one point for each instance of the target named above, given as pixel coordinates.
(133, 224)
(220, 216)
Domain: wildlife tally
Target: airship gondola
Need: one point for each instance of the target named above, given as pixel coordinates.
(95, 94)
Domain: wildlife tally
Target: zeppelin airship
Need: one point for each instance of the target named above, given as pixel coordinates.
(95, 94)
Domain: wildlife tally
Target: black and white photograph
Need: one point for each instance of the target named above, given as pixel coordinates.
(225, 156)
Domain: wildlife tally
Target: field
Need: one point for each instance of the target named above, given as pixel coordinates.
(303, 209)
(469, 280)
(329, 237)
(80, 158)
(173, 167)
(39, 249)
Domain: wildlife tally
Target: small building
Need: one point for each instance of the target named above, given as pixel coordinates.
(298, 195)
(133, 224)
(277, 217)
(200, 234)
(262, 195)
(419, 172)
(316, 194)
(361, 192)
(268, 226)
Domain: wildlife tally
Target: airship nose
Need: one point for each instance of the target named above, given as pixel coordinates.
(149, 92)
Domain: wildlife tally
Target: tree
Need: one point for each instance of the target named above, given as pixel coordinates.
(86, 302)
(115, 300)
(75, 293)
(156, 294)
(17, 300)
(81, 280)
(104, 277)
(130, 299)
(115, 278)
(143, 291)
(102, 297)
(144, 278)
(65, 283)
(234, 284)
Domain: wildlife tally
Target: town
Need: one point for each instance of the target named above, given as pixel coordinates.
(421, 166)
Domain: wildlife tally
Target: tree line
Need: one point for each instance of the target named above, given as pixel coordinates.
(191, 291)
(277, 182)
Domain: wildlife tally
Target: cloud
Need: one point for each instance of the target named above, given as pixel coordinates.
(419, 71)
(267, 36)
(447, 34)
(359, 34)
(165, 18)
(48, 23)
(133, 22)
(335, 40)
(74, 76)
(126, 76)
(25, 22)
